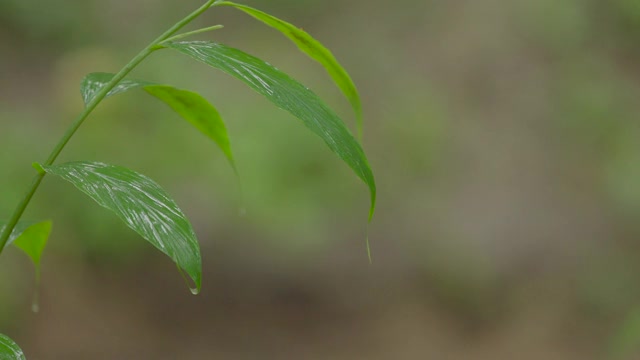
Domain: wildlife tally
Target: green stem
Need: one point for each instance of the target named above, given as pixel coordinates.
(194, 32)
(153, 46)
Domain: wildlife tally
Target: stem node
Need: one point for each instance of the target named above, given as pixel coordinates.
(39, 168)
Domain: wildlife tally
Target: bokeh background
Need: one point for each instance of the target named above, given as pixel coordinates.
(504, 135)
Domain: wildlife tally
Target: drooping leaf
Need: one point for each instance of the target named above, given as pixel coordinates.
(289, 95)
(143, 206)
(198, 111)
(9, 350)
(190, 105)
(315, 50)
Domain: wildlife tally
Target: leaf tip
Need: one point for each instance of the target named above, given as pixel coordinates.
(373, 191)
(369, 251)
(197, 280)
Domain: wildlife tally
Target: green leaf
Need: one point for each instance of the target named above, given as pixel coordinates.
(143, 205)
(93, 82)
(33, 240)
(315, 50)
(17, 230)
(289, 95)
(190, 105)
(9, 350)
(198, 111)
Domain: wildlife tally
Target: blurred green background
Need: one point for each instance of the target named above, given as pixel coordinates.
(504, 136)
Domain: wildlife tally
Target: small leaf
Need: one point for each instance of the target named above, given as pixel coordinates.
(315, 50)
(190, 105)
(288, 94)
(9, 350)
(143, 205)
(33, 241)
(17, 230)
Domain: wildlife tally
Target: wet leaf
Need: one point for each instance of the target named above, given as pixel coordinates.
(289, 95)
(315, 50)
(190, 105)
(143, 205)
(93, 82)
(9, 350)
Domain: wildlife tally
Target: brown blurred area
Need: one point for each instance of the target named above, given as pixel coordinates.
(504, 136)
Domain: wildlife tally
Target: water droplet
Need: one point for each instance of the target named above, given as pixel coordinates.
(194, 290)
(35, 302)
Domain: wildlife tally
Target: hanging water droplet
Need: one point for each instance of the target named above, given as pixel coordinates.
(35, 305)
(194, 290)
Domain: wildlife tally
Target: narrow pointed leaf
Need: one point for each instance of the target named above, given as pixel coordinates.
(143, 206)
(9, 350)
(289, 95)
(315, 50)
(198, 111)
(190, 105)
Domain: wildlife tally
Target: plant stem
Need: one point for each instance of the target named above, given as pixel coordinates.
(153, 46)
(194, 32)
